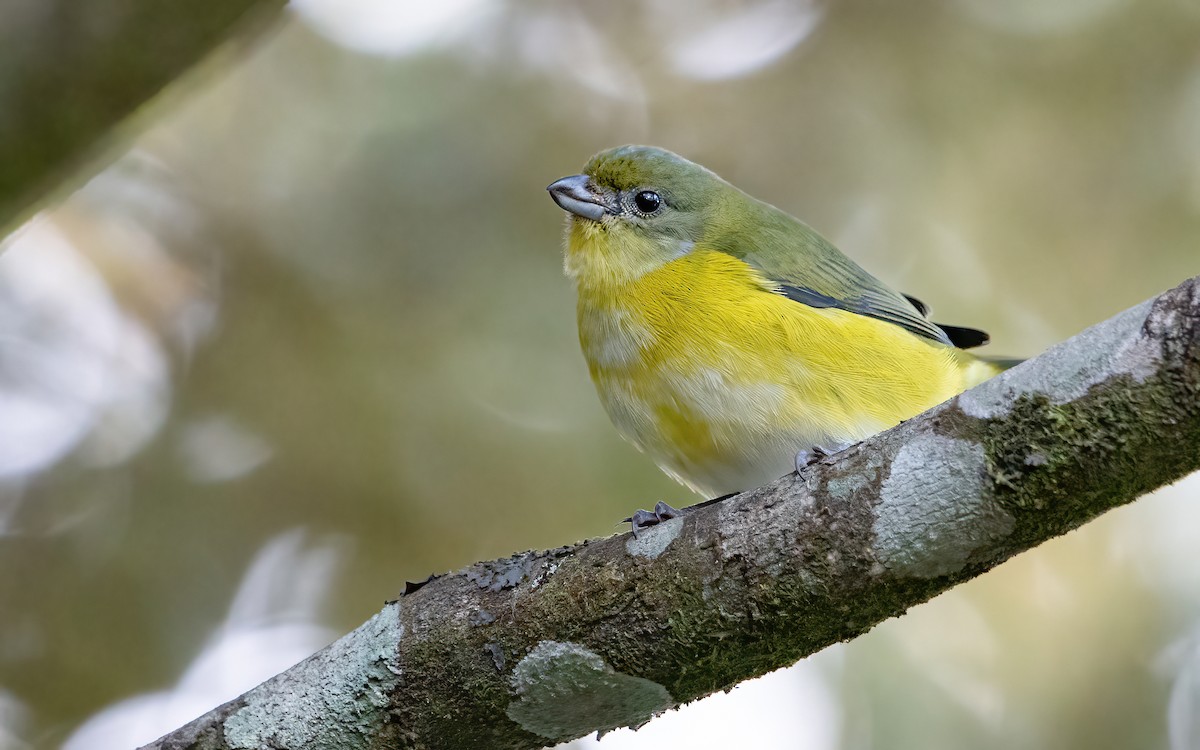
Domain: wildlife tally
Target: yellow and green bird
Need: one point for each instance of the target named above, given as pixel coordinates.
(730, 341)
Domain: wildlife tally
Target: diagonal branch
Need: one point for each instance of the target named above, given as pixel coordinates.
(544, 647)
(71, 71)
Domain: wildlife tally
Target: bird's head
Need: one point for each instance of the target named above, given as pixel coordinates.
(633, 209)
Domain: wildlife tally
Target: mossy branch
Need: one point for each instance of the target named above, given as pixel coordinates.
(70, 71)
(544, 647)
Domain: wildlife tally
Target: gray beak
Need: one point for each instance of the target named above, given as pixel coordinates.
(576, 195)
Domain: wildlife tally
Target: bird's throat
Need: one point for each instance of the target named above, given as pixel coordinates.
(607, 255)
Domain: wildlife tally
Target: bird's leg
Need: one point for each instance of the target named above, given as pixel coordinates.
(817, 453)
(643, 519)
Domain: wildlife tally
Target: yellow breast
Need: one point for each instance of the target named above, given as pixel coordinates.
(721, 380)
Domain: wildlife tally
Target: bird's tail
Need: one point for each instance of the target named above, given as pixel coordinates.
(983, 368)
(1002, 363)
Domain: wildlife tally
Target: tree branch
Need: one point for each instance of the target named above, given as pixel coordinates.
(544, 647)
(70, 71)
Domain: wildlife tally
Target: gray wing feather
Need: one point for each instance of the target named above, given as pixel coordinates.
(820, 275)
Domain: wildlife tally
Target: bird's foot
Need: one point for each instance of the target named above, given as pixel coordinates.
(642, 519)
(817, 454)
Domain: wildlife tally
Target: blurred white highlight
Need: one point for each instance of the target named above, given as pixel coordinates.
(382, 27)
(1181, 661)
(567, 45)
(1165, 535)
(14, 719)
(70, 360)
(218, 449)
(736, 44)
(272, 624)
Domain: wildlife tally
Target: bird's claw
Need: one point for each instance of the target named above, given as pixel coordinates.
(806, 457)
(642, 519)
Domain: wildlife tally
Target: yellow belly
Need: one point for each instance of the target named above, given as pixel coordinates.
(721, 381)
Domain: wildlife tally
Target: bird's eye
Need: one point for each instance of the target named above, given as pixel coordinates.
(647, 201)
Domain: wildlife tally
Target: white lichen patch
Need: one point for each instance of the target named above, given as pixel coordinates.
(337, 698)
(566, 690)
(653, 541)
(932, 513)
(1065, 372)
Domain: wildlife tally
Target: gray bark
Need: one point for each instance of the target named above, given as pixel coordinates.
(543, 647)
(71, 70)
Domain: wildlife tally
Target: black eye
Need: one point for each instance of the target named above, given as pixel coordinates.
(647, 201)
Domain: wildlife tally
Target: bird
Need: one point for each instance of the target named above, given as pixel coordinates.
(728, 340)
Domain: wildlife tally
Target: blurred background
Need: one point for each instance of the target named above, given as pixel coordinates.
(309, 338)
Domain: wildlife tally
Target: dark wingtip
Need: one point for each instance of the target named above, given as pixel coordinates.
(964, 338)
(921, 306)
